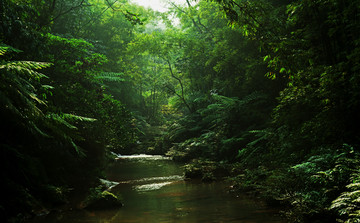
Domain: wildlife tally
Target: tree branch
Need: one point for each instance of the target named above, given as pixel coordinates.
(182, 97)
(81, 4)
(192, 19)
(246, 12)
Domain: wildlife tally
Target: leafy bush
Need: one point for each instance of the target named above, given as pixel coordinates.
(348, 203)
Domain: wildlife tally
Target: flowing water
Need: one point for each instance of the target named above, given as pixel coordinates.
(153, 190)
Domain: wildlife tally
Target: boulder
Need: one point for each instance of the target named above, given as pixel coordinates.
(105, 200)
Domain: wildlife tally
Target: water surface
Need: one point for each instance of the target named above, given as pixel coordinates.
(153, 190)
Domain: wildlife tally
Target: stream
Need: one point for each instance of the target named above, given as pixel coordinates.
(153, 190)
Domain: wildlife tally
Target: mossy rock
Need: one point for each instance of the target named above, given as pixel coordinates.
(105, 200)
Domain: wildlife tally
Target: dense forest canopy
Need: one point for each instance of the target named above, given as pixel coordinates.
(270, 87)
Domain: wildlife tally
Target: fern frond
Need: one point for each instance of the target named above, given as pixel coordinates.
(78, 149)
(73, 117)
(348, 203)
(57, 118)
(110, 76)
(61, 128)
(6, 103)
(38, 130)
(353, 185)
(3, 50)
(29, 104)
(254, 96)
(26, 68)
(33, 65)
(339, 203)
(6, 49)
(223, 99)
(33, 96)
(47, 87)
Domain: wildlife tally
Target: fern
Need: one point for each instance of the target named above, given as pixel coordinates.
(261, 135)
(348, 203)
(61, 125)
(224, 108)
(29, 65)
(110, 77)
(19, 85)
(61, 128)
(252, 147)
(60, 119)
(5, 49)
(73, 117)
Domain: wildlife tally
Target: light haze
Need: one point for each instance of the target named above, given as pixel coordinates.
(157, 5)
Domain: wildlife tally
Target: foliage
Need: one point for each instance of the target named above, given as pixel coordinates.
(303, 45)
(23, 77)
(110, 77)
(217, 131)
(269, 86)
(57, 125)
(29, 126)
(347, 204)
(206, 170)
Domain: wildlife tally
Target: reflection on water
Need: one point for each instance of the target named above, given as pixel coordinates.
(153, 179)
(143, 157)
(153, 191)
(153, 186)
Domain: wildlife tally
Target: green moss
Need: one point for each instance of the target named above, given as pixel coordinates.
(102, 200)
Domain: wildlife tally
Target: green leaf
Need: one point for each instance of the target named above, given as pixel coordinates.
(266, 58)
